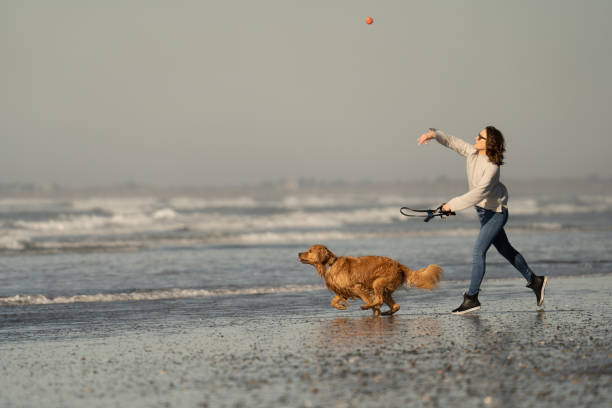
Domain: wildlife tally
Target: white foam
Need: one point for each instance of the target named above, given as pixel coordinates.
(126, 205)
(249, 238)
(38, 299)
(296, 202)
(12, 240)
(189, 203)
(295, 219)
(584, 204)
(525, 206)
(332, 235)
(596, 199)
(84, 223)
(164, 214)
(546, 226)
(315, 201)
(401, 201)
(277, 237)
(164, 219)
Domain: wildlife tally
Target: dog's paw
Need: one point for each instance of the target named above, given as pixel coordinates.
(340, 307)
(370, 306)
(391, 311)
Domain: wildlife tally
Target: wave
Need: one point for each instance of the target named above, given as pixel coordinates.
(316, 236)
(160, 220)
(293, 202)
(168, 219)
(178, 293)
(123, 205)
(38, 299)
(518, 205)
(579, 205)
(545, 226)
(114, 224)
(188, 203)
(12, 245)
(150, 214)
(17, 242)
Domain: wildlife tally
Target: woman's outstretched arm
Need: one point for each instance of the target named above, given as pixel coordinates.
(460, 146)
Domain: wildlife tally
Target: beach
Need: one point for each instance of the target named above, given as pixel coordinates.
(510, 353)
(196, 298)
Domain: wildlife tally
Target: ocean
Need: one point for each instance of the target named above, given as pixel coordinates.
(96, 262)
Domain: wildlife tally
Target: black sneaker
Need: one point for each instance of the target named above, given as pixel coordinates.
(470, 303)
(538, 283)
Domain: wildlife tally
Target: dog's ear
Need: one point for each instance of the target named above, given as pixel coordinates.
(329, 257)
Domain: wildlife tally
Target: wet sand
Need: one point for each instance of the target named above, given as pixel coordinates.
(508, 354)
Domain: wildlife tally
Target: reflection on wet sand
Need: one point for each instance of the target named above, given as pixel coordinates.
(475, 328)
(495, 329)
(362, 331)
(540, 316)
(472, 323)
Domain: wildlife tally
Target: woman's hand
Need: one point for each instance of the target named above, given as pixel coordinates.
(425, 137)
(446, 208)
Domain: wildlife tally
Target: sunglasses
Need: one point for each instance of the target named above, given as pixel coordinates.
(480, 137)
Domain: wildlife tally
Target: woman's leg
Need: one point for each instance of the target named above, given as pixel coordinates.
(491, 223)
(534, 282)
(512, 255)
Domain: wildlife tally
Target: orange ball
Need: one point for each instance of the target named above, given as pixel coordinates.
(369, 20)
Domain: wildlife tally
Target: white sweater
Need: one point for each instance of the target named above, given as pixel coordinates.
(485, 189)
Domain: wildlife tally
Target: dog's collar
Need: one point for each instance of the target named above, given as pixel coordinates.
(329, 265)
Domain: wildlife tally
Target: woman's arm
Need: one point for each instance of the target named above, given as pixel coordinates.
(460, 146)
(489, 179)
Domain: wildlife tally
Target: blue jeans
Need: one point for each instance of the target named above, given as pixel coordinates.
(492, 232)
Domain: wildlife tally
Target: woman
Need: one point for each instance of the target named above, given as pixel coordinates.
(490, 198)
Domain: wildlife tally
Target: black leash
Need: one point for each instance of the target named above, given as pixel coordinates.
(430, 213)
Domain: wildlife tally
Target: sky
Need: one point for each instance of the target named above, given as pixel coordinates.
(240, 92)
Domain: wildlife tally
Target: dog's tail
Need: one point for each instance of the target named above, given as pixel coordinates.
(425, 278)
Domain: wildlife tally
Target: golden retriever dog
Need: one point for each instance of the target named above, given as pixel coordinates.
(371, 278)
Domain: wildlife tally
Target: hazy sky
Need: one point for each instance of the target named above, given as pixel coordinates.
(214, 92)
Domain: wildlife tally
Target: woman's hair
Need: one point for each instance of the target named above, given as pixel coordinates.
(495, 145)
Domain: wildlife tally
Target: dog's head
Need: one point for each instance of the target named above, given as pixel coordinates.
(317, 255)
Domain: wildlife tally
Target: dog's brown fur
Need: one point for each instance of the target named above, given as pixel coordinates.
(371, 278)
